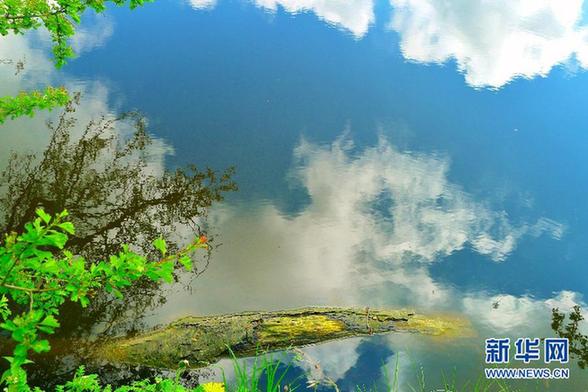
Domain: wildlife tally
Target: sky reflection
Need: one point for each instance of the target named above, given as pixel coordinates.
(373, 221)
(355, 16)
(31, 135)
(339, 251)
(346, 247)
(491, 43)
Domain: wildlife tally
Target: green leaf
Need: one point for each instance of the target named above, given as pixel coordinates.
(84, 301)
(20, 352)
(43, 215)
(68, 227)
(186, 261)
(50, 321)
(51, 267)
(25, 104)
(117, 293)
(167, 272)
(160, 245)
(4, 310)
(19, 334)
(41, 346)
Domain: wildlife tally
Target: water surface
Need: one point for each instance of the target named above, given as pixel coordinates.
(389, 154)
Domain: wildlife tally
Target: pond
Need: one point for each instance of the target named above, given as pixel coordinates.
(388, 154)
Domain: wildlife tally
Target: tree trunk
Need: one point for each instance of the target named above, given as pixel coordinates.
(204, 340)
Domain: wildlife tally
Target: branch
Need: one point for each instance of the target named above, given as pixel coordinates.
(27, 289)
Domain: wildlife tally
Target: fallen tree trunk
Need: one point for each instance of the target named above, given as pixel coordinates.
(204, 340)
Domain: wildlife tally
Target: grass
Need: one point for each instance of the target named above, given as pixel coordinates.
(248, 378)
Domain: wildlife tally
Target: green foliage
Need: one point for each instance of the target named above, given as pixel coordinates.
(25, 104)
(4, 310)
(90, 383)
(571, 331)
(103, 179)
(39, 275)
(58, 17)
(248, 379)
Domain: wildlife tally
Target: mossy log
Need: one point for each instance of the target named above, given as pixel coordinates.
(204, 340)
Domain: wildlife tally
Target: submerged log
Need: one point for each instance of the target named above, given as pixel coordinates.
(204, 340)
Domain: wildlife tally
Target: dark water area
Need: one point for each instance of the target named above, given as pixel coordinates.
(420, 154)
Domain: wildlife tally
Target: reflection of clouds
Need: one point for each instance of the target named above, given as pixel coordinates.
(347, 242)
(30, 135)
(428, 216)
(25, 134)
(514, 317)
(202, 4)
(353, 15)
(334, 359)
(356, 16)
(408, 285)
(492, 41)
(348, 247)
(510, 314)
(36, 64)
(92, 34)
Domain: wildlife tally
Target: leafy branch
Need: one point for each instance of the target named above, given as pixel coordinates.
(25, 104)
(39, 275)
(578, 341)
(59, 18)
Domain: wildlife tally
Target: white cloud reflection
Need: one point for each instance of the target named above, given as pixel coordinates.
(328, 253)
(346, 247)
(492, 42)
(510, 314)
(426, 216)
(31, 135)
(375, 221)
(202, 4)
(355, 16)
(95, 31)
(515, 317)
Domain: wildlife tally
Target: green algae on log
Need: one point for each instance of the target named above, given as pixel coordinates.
(204, 340)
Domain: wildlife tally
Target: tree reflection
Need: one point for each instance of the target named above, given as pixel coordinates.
(104, 183)
(114, 196)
